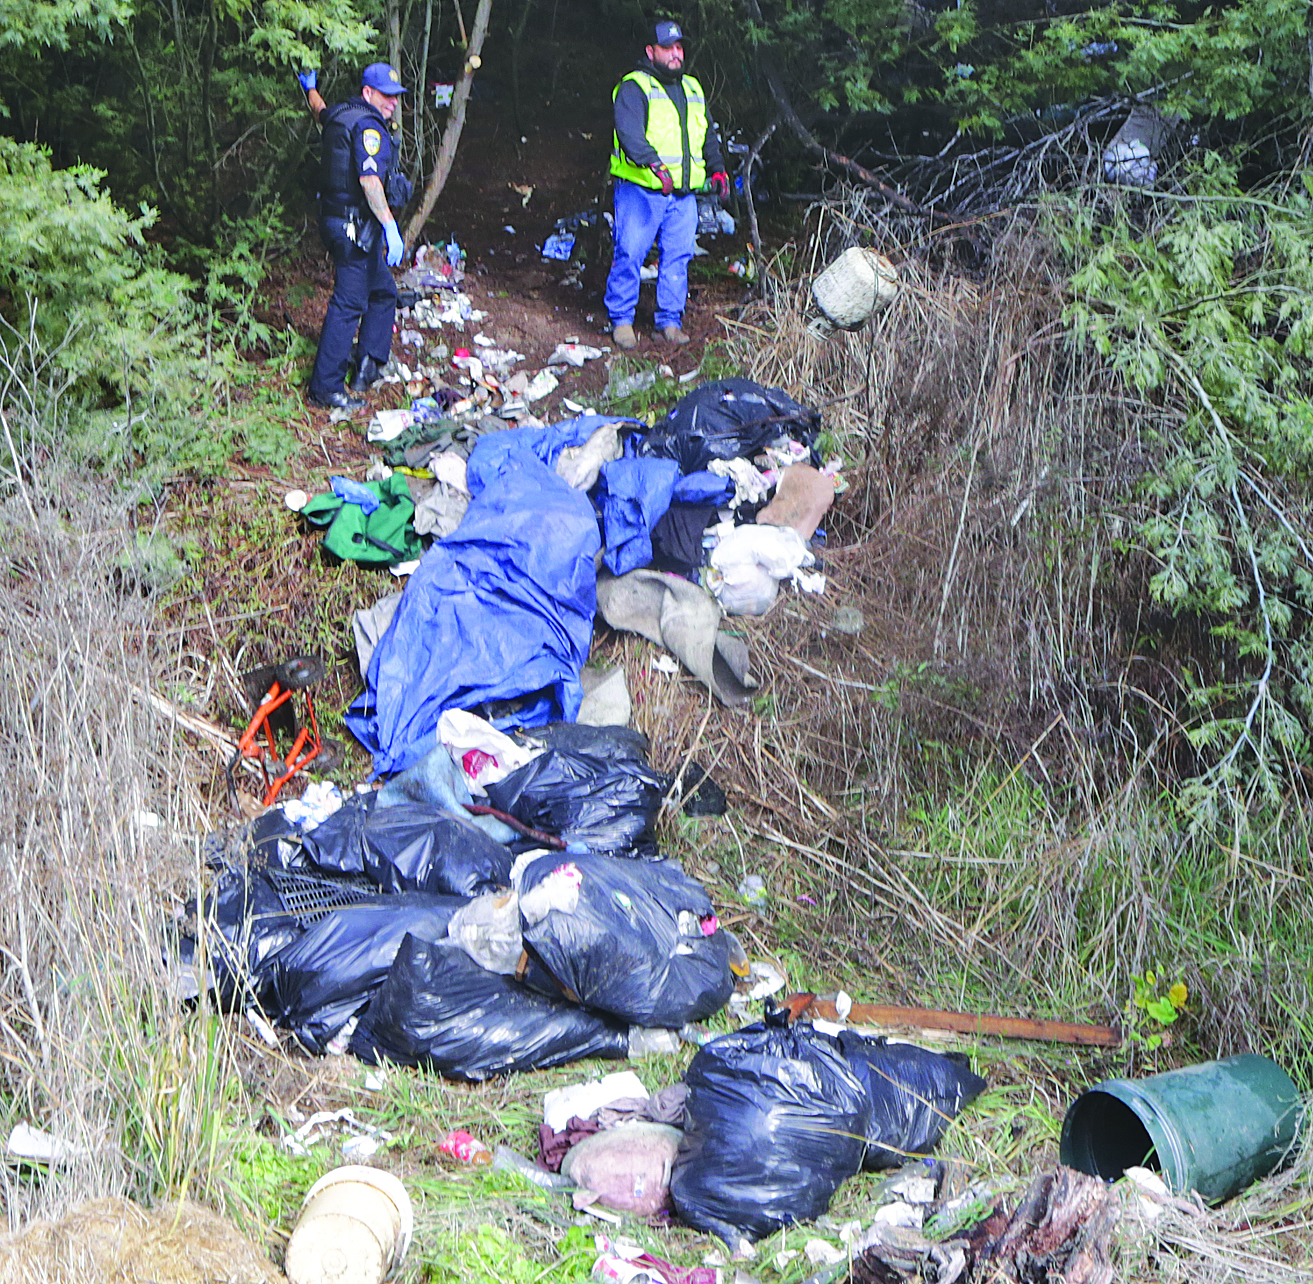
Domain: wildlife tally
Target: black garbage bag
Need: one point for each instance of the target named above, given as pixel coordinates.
(611, 743)
(775, 1120)
(914, 1094)
(247, 922)
(269, 839)
(605, 806)
(409, 847)
(441, 1010)
(729, 419)
(637, 939)
(319, 981)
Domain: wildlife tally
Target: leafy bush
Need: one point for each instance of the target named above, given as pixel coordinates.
(104, 349)
(1203, 301)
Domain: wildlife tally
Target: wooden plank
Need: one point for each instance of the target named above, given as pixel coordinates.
(1041, 1030)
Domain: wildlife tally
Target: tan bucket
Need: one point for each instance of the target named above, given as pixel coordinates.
(857, 283)
(354, 1228)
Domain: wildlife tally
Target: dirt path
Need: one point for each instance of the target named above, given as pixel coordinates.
(533, 303)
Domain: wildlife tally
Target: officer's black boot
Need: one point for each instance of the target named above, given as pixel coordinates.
(366, 374)
(336, 401)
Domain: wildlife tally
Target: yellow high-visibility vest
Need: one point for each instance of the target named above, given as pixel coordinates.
(665, 134)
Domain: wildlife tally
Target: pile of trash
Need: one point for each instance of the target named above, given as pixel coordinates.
(417, 925)
(447, 380)
(533, 532)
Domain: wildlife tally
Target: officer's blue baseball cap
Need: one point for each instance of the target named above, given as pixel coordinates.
(383, 77)
(667, 33)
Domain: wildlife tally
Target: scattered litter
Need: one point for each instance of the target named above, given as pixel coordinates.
(666, 664)
(648, 272)
(523, 190)
(763, 979)
(320, 800)
(387, 424)
(318, 1128)
(467, 1148)
(38, 1146)
(296, 500)
(572, 406)
(621, 1261)
(573, 354)
(540, 386)
(559, 246)
(586, 1099)
(628, 385)
(753, 890)
(819, 1252)
(509, 228)
(1061, 1229)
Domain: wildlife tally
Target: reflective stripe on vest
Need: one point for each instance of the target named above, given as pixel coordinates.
(665, 131)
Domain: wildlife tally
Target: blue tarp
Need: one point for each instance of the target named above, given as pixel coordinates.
(501, 608)
(633, 494)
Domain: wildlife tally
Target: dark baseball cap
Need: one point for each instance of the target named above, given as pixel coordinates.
(667, 33)
(383, 77)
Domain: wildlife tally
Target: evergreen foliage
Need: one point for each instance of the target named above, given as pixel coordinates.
(1203, 301)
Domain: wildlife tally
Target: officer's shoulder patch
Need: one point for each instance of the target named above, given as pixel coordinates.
(372, 141)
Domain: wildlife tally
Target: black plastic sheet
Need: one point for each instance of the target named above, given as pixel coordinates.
(315, 984)
(409, 848)
(775, 1120)
(914, 1095)
(606, 806)
(441, 1010)
(729, 419)
(633, 944)
(609, 743)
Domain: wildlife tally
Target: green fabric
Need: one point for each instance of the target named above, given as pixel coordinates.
(666, 135)
(385, 537)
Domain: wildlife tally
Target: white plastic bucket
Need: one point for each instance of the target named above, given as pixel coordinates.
(857, 283)
(354, 1228)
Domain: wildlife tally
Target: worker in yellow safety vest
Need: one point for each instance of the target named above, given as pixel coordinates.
(664, 151)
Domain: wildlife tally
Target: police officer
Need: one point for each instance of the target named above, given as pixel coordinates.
(357, 180)
(663, 150)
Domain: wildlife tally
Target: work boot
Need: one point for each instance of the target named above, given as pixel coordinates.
(625, 338)
(366, 375)
(337, 401)
(674, 336)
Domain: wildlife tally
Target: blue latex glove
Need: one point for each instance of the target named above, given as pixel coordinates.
(396, 247)
(354, 492)
(309, 79)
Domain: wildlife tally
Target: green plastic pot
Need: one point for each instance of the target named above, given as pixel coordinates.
(1214, 1128)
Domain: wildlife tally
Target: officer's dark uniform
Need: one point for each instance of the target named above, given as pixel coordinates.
(356, 142)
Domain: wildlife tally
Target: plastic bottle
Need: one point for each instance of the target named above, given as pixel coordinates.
(467, 1148)
(509, 1160)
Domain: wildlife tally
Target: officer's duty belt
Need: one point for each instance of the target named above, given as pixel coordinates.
(331, 209)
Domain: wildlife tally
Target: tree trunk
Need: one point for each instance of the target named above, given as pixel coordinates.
(455, 123)
(517, 39)
(394, 33)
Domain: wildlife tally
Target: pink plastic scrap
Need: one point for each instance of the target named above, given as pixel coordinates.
(626, 1263)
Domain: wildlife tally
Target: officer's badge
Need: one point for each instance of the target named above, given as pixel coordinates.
(372, 140)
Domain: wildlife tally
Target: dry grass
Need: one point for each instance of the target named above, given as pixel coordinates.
(98, 842)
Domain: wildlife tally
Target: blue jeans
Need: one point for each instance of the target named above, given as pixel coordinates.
(364, 298)
(641, 216)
